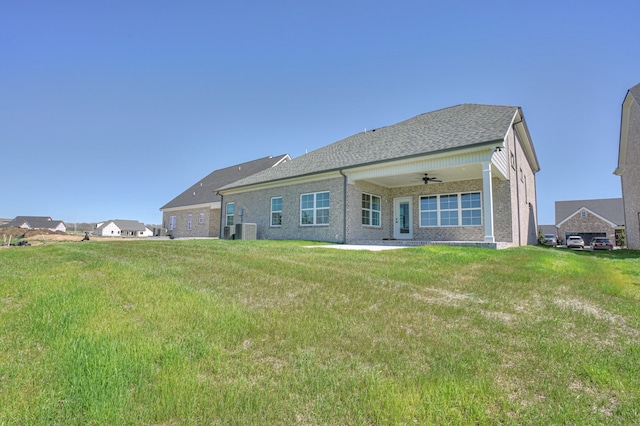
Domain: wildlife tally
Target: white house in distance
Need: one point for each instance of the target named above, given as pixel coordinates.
(37, 222)
(122, 228)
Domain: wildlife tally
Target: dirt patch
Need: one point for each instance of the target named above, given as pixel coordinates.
(38, 236)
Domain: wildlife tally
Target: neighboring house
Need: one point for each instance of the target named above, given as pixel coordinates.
(464, 175)
(122, 228)
(37, 222)
(548, 229)
(629, 165)
(196, 211)
(590, 218)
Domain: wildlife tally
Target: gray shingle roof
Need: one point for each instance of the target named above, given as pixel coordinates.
(204, 191)
(35, 222)
(445, 129)
(611, 209)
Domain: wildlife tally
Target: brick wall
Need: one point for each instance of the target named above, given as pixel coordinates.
(256, 206)
(210, 227)
(522, 182)
(630, 180)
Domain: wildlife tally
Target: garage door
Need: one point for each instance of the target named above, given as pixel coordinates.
(586, 236)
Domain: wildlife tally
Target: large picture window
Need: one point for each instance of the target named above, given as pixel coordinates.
(172, 223)
(314, 208)
(451, 210)
(370, 210)
(276, 211)
(229, 214)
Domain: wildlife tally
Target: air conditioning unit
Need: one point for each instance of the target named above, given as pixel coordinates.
(246, 231)
(228, 233)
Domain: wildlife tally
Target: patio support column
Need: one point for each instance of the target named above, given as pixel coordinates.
(487, 202)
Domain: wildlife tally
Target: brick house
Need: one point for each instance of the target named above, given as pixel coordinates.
(629, 165)
(590, 218)
(196, 211)
(464, 174)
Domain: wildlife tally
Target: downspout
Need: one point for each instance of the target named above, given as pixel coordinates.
(344, 208)
(220, 230)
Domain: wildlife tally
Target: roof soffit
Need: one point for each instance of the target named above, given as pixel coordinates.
(522, 131)
(463, 165)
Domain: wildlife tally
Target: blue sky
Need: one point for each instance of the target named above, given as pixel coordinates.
(110, 109)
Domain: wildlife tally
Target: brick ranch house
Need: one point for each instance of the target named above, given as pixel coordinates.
(629, 165)
(196, 211)
(459, 175)
(590, 218)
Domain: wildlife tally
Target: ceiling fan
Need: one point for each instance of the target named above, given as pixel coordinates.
(426, 179)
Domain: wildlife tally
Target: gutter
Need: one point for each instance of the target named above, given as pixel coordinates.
(220, 229)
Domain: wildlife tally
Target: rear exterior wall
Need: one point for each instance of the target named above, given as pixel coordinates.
(630, 179)
(209, 228)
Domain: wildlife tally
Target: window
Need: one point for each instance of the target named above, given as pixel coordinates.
(229, 214)
(314, 208)
(370, 210)
(172, 223)
(201, 218)
(429, 211)
(276, 211)
(448, 210)
(583, 213)
(189, 221)
(471, 209)
(451, 210)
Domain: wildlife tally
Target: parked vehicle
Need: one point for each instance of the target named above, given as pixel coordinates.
(575, 241)
(550, 240)
(601, 243)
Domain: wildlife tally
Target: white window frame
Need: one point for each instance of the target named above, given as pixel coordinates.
(172, 223)
(275, 212)
(369, 213)
(312, 210)
(189, 222)
(439, 210)
(229, 213)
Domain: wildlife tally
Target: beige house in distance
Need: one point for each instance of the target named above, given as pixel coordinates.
(629, 165)
(461, 175)
(590, 218)
(196, 211)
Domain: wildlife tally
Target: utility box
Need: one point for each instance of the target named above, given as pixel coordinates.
(228, 233)
(246, 231)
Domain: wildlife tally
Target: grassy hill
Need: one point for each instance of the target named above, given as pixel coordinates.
(258, 332)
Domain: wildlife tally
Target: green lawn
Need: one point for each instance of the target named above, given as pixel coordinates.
(259, 332)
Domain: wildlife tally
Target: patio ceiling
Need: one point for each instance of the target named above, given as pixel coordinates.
(448, 174)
